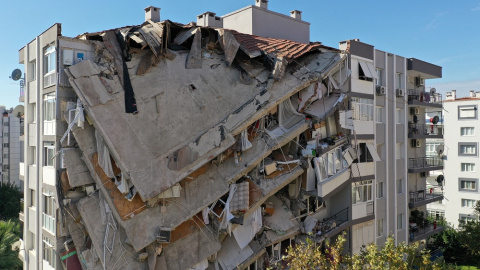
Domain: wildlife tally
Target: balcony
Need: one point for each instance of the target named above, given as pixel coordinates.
(332, 171)
(424, 99)
(49, 223)
(424, 164)
(332, 225)
(362, 211)
(425, 196)
(423, 231)
(422, 131)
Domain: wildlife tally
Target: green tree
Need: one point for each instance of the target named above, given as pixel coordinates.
(9, 232)
(310, 256)
(469, 235)
(9, 201)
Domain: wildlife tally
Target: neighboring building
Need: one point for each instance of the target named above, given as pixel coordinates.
(158, 140)
(10, 147)
(461, 157)
(387, 97)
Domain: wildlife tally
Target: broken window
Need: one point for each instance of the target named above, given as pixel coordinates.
(330, 164)
(365, 155)
(366, 71)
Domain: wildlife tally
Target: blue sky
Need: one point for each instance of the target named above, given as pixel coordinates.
(442, 32)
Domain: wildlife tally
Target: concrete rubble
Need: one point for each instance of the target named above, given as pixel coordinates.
(189, 139)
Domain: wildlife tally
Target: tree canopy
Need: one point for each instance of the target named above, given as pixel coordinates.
(9, 201)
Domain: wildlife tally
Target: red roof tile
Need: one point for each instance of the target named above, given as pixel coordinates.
(281, 47)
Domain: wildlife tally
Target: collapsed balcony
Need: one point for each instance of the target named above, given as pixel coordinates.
(424, 164)
(424, 196)
(424, 99)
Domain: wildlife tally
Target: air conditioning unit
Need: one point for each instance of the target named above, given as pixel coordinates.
(419, 81)
(414, 111)
(400, 92)
(381, 90)
(416, 143)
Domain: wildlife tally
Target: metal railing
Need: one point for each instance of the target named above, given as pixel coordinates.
(328, 224)
(424, 162)
(424, 96)
(422, 129)
(425, 194)
(425, 227)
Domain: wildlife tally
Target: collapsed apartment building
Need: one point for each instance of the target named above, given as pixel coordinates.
(173, 146)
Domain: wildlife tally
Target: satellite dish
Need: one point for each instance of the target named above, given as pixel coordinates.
(440, 149)
(435, 119)
(433, 91)
(440, 179)
(16, 74)
(19, 111)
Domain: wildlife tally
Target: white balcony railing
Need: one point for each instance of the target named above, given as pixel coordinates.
(49, 79)
(49, 223)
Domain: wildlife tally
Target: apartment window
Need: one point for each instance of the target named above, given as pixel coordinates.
(463, 219)
(379, 79)
(362, 191)
(32, 198)
(379, 190)
(330, 163)
(49, 107)
(467, 131)
(436, 214)
(399, 186)
(366, 71)
(467, 149)
(431, 149)
(379, 227)
(468, 167)
(362, 108)
(5, 124)
(468, 203)
(49, 152)
(34, 112)
(379, 114)
(400, 221)
(468, 184)
(5, 145)
(5, 156)
(398, 80)
(33, 70)
(399, 150)
(50, 57)
(467, 112)
(5, 134)
(399, 116)
(49, 251)
(6, 167)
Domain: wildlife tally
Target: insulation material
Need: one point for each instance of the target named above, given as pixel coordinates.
(231, 255)
(200, 266)
(104, 156)
(240, 199)
(225, 224)
(251, 226)
(246, 144)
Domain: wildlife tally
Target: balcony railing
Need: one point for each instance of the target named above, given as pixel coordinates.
(422, 130)
(425, 196)
(49, 223)
(331, 223)
(422, 231)
(423, 164)
(416, 96)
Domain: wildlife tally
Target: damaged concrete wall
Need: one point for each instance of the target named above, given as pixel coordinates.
(192, 99)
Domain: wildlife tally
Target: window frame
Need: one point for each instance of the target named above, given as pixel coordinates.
(380, 190)
(400, 188)
(465, 202)
(464, 166)
(366, 194)
(475, 109)
(48, 148)
(466, 144)
(463, 188)
(380, 228)
(50, 58)
(49, 107)
(400, 223)
(467, 128)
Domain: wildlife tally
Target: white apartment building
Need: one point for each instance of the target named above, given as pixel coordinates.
(460, 152)
(10, 147)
